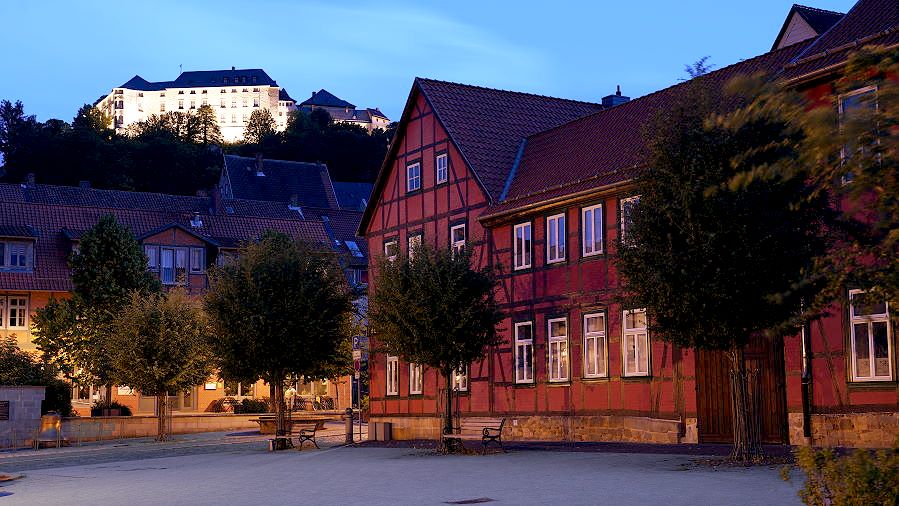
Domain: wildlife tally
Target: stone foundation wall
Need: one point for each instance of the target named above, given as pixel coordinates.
(24, 415)
(852, 430)
(118, 427)
(558, 428)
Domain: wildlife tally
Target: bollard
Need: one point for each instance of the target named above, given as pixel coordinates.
(349, 426)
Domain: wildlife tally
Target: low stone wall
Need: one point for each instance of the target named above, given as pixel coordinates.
(851, 430)
(557, 428)
(21, 415)
(119, 427)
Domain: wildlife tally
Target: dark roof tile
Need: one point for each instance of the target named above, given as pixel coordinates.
(324, 98)
(309, 183)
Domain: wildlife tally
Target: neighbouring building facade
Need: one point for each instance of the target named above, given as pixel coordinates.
(233, 94)
(541, 192)
(342, 111)
(182, 236)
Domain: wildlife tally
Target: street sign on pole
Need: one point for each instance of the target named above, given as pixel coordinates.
(357, 342)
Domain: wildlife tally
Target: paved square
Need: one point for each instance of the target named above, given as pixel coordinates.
(246, 473)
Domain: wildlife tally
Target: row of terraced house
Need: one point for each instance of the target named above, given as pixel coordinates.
(182, 236)
(540, 188)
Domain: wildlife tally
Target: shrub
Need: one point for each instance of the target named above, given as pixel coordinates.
(58, 398)
(99, 406)
(862, 477)
(252, 406)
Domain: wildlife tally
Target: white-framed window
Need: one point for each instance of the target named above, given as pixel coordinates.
(871, 346)
(442, 168)
(413, 177)
(152, 253)
(16, 255)
(555, 238)
(524, 352)
(414, 243)
(416, 382)
(393, 375)
(636, 343)
(857, 105)
(457, 237)
(522, 246)
(197, 260)
(460, 380)
(391, 249)
(591, 230)
(14, 312)
(181, 103)
(595, 361)
(627, 206)
(180, 265)
(557, 338)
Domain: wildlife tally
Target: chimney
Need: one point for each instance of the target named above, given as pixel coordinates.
(616, 99)
(215, 199)
(30, 180)
(232, 67)
(84, 184)
(259, 171)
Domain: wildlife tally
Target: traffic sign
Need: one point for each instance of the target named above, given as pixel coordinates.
(357, 342)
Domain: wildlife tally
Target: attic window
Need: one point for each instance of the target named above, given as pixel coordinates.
(354, 248)
(193, 92)
(224, 90)
(204, 91)
(226, 80)
(196, 222)
(229, 209)
(254, 79)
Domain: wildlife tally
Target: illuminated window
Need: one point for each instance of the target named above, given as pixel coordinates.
(416, 382)
(522, 245)
(557, 337)
(524, 352)
(391, 249)
(636, 343)
(871, 339)
(595, 346)
(393, 375)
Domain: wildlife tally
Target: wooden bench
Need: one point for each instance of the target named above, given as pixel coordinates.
(485, 430)
(305, 431)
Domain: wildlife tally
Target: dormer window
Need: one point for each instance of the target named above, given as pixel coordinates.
(196, 222)
(225, 80)
(16, 256)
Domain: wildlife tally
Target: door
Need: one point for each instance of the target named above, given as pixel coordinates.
(714, 392)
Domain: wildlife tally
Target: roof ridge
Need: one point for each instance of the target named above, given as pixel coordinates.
(45, 185)
(816, 9)
(487, 88)
(682, 83)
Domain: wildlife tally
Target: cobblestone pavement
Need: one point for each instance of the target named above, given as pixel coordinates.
(341, 475)
(14, 462)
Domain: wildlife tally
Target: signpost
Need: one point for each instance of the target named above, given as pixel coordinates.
(357, 370)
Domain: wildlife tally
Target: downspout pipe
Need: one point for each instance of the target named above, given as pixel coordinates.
(806, 380)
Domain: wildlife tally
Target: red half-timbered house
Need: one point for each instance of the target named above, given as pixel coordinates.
(539, 187)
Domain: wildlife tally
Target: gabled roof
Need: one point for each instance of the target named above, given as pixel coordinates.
(868, 22)
(55, 225)
(819, 20)
(353, 196)
(203, 78)
(324, 98)
(607, 148)
(376, 112)
(487, 125)
(283, 181)
(284, 97)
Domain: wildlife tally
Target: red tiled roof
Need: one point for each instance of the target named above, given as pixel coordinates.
(868, 22)
(488, 125)
(54, 225)
(608, 147)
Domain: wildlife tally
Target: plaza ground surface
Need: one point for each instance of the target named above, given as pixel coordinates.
(238, 469)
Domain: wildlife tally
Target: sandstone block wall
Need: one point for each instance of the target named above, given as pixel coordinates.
(118, 427)
(853, 430)
(24, 415)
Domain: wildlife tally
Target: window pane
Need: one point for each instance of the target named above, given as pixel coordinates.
(558, 328)
(859, 309)
(528, 362)
(563, 359)
(591, 356)
(594, 324)
(631, 349)
(642, 353)
(597, 230)
(862, 353)
(881, 349)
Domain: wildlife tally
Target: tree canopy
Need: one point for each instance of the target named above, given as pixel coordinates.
(434, 309)
(281, 310)
(161, 346)
(73, 334)
(260, 127)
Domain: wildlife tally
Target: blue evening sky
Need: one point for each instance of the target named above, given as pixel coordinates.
(60, 54)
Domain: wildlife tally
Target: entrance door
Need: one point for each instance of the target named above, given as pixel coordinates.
(714, 392)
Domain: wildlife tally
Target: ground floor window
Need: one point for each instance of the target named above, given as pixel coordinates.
(460, 380)
(416, 385)
(871, 346)
(595, 346)
(636, 343)
(524, 352)
(557, 332)
(393, 375)
(14, 311)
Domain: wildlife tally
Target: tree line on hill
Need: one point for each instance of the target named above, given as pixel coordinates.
(175, 152)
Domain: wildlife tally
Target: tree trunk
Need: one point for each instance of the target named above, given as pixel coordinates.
(448, 413)
(278, 403)
(108, 388)
(744, 397)
(162, 403)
